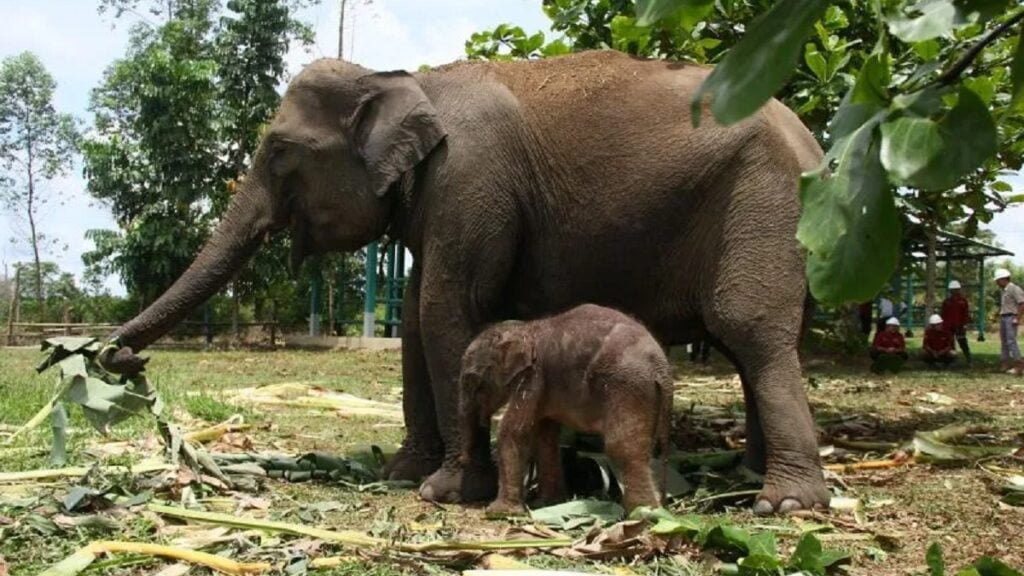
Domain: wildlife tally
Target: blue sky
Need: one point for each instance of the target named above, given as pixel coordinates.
(76, 44)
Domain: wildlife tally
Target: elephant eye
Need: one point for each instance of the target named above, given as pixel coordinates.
(279, 161)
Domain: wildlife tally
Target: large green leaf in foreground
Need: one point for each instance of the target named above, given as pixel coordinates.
(849, 223)
(758, 67)
(935, 155)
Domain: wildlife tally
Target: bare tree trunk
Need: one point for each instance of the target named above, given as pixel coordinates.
(330, 304)
(12, 311)
(930, 265)
(273, 322)
(33, 237)
(341, 31)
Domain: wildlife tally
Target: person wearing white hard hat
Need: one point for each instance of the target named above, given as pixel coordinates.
(956, 316)
(889, 350)
(1011, 312)
(938, 343)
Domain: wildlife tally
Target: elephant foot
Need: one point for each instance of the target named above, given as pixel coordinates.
(412, 463)
(784, 496)
(504, 509)
(455, 483)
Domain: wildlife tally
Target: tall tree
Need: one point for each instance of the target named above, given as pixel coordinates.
(37, 144)
(154, 156)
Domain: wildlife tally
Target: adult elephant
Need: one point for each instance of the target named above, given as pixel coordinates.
(522, 189)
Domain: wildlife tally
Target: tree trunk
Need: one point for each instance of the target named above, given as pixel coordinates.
(33, 237)
(341, 31)
(930, 271)
(330, 304)
(273, 322)
(12, 311)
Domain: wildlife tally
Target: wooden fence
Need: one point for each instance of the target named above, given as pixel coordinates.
(184, 334)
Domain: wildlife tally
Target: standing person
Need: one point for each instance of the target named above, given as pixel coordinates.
(889, 349)
(956, 316)
(1011, 311)
(938, 343)
(886, 310)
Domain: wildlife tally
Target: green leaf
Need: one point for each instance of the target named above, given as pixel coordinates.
(649, 12)
(729, 537)
(1017, 72)
(59, 425)
(816, 62)
(562, 514)
(849, 223)
(929, 19)
(927, 50)
(988, 566)
(759, 65)
(929, 155)
(936, 566)
(627, 36)
(807, 555)
(763, 543)
(866, 99)
(760, 564)
(932, 446)
(687, 525)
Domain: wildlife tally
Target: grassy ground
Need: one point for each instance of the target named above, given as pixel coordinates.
(911, 505)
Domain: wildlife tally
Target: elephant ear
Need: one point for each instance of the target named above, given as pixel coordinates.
(517, 356)
(393, 128)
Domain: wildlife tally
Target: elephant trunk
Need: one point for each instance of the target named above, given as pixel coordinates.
(237, 237)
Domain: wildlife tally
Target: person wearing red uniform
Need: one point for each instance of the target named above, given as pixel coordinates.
(938, 343)
(889, 350)
(956, 316)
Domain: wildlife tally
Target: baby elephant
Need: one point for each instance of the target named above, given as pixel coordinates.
(593, 369)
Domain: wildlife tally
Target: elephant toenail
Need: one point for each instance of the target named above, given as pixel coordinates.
(427, 493)
(789, 505)
(763, 508)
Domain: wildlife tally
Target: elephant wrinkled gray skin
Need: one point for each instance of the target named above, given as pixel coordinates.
(523, 189)
(593, 369)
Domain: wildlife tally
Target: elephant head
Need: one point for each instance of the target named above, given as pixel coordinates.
(340, 141)
(499, 358)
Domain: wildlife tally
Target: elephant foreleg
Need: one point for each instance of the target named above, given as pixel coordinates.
(447, 334)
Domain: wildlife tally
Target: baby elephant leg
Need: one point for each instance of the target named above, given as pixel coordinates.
(515, 446)
(629, 443)
(549, 462)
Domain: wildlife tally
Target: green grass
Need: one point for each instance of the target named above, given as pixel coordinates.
(957, 506)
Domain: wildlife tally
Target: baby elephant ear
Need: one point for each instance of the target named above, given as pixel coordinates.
(393, 128)
(517, 356)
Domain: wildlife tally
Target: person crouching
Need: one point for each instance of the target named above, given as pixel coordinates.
(889, 350)
(938, 343)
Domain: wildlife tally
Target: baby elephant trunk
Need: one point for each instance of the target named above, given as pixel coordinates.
(663, 427)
